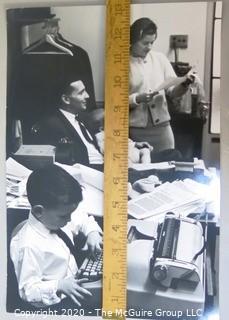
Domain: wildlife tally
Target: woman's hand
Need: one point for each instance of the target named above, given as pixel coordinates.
(145, 155)
(190, 78)
(143, 144)
(145, 97)
(72, 288)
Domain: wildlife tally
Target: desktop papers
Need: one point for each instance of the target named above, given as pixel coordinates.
(16, 179)
(92, 183)
(90, 179)
(152, 166)
(84, 174)
(197, 164)
(181, 197)
(16, 170)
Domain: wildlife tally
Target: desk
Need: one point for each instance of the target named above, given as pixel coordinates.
(14, 216)
(213, 226)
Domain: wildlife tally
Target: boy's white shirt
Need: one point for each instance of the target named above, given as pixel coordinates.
(41, 258)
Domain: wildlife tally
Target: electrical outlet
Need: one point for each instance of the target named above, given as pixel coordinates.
(179, 41)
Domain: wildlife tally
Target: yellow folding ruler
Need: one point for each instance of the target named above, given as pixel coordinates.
(116, 158)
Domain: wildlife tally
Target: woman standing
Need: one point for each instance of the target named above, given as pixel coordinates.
(149, 116)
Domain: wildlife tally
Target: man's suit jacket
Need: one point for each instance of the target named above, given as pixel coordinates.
(56, 130)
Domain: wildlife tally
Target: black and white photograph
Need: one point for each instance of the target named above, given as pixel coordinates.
(174, 207)
(55, 160)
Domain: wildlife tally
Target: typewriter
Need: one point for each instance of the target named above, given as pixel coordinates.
(177, 249)
(165, 266)
(168, 270)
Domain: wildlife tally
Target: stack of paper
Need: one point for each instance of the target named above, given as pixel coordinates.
(16, 178)
(16, 170)
(182, 197)
(19, 203)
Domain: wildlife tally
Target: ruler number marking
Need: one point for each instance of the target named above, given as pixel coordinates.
(116, 159)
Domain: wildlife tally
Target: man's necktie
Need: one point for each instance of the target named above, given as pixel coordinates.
(63, 236)
(86, 133)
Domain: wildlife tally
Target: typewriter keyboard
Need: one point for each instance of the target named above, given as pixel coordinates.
(92, 269)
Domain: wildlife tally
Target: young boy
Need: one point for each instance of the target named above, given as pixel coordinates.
(44, 264)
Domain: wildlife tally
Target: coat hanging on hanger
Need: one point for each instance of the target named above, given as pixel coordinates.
(37, 81)
(49, 42)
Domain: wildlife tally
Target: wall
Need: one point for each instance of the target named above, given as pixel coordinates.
(178, 18)
(85, 26)
(173, 18)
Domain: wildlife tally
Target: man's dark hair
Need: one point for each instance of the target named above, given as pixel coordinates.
(51, 186)
(64, 87)
(141, 28)
(67, 88)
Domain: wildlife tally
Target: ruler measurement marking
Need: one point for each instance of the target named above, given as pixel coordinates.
(116, 155)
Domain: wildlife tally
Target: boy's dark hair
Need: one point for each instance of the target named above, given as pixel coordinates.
(141, 28)
(51, 186)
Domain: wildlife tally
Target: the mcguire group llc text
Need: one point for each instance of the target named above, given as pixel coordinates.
(156, 313)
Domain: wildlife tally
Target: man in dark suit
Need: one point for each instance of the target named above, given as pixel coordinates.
(65, 129)
(75, 141)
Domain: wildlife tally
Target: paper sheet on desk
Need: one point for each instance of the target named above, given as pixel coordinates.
(84, 174)
(92, 182)
(92, 201)
(150, 166)
(16, 179)
(176, 196)
(19, 203)
(74, 171)
(91, 176)
(17, 170)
